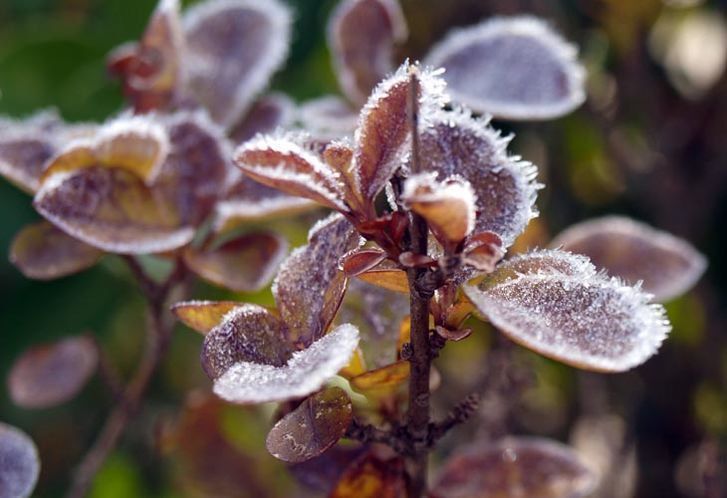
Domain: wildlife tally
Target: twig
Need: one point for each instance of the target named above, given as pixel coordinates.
(458, 415)
(158, 338)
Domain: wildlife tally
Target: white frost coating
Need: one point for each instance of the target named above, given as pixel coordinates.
(482, 159)
(305, 372)
(557, 304)
(258, 74)
(19, 463)
(488, 83)
(667, 265)
(321, 179)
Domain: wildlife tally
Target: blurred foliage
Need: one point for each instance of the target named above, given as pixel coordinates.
(649, 143)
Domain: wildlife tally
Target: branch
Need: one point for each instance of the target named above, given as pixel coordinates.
(458, 415)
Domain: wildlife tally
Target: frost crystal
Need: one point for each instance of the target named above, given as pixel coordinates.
(668, 266)
(557, 304)
(19, 463)
(516, 68)
(305, 372)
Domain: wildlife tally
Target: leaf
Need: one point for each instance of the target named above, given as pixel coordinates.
(483, 251)
(113, 210)
(372, 477)
(309, 286)
(668, 266)
(456, 144)
(248, 200)
(305, 372)
(19, 463)
(322, 472)
(233, 48)
(284, 164)
(136, 144)
(43, 252)
(361, 260)
(361, 36)
(328, 117)
(387, 276)
(556, 304)
(448, 206)
(203, 316)
(384, 129)
(313, 427)
(197, 170)
(23, 155)
(151, 71)
(50, 374)
(386, 378)
(248, 333)
(514, 68)
(244, 264)
(271, 111)
(514, 467)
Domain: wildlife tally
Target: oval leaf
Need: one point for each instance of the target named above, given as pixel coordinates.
(275, 110)
(386, 378)
(456, 144)
(51, 374)
(556, 303)
(668, 266)
(361, 35)
(309, 286)
(43, 252)
(387, 277)
(305, 372)
(203, 316)
(313, 427)
(244, 264)
(233, 47)
(515, 68)
(328, 117)
(22, 158)
(113, 210)
(372, 477)
(248, 333)
(515, 466)
(19, 463)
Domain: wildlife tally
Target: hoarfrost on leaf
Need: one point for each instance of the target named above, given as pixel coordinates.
(19, 463)
(515, 68)
(558, 305)
(305, 372)
(666, 265)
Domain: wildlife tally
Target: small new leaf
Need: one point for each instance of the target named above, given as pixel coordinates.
(514, 68)
(313, 427)
(666, 265)
(19, 463)
(558, 305)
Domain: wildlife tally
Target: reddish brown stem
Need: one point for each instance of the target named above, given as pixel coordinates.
(157, 342)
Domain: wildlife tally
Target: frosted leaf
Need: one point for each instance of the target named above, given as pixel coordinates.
(514, 467)
(113, 210)
(197, 169)
(248, 200)
(313, 427)
(248, 333)
(515, 68)
(151, 70)
(378, 314)
(328, 117)
(360, 260)
(372, 476)
(22, 157)
(233, 48)
(383, 130)
(666, 265)
(244, 264)
(19, 463)
(447, 206)
(43, 252)
(309, 286)
(387, 275)
(50, 374)
(483, 251)
(556, 304)
(305, 372)
(456, 144)
(203, 316)
(361, 36)
(136, 144)
(268, 113)
(283, 164)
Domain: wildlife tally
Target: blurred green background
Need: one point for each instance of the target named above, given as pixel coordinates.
(649, 143)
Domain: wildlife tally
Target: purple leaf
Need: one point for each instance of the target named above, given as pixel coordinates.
(19, 463)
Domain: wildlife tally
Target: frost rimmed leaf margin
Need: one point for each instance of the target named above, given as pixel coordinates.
(305, 372)
(500, 67)
(557, 304)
